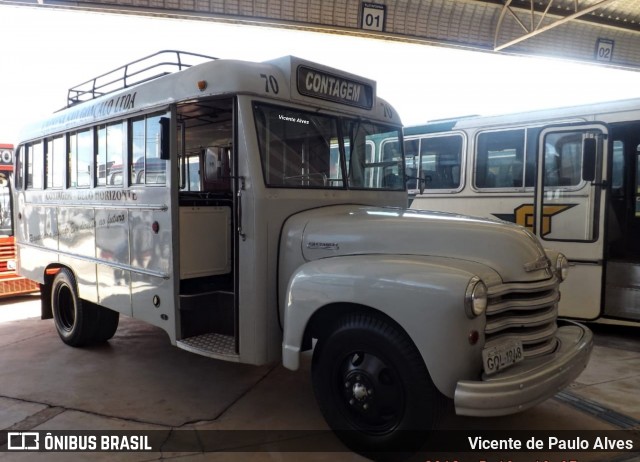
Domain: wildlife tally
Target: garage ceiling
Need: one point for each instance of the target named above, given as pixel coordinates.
(602, 31)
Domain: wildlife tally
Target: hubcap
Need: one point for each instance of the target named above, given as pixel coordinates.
(360, 392)
(372, 392)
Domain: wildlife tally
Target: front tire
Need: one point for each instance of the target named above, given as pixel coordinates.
(373, 387)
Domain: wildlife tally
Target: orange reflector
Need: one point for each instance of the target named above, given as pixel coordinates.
(202, 85)
(51, 271)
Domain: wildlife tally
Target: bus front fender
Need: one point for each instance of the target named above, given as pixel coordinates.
(423, 295)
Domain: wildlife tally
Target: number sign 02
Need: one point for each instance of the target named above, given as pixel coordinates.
(604, 50)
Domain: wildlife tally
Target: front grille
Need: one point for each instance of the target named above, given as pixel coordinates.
(525, 311)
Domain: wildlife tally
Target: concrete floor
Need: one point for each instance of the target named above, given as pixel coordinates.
(138, 381)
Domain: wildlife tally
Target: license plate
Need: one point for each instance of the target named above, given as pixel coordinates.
(501, 356)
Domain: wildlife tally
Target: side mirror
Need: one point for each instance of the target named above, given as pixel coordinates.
(420, 182)
(165, 136)
(589, 156)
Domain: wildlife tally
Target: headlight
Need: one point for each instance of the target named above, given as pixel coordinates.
(562, 266)
(475, 300)
(11, 265)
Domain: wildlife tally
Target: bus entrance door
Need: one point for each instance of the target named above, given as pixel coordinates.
(569, 218)
(208, 296)
(622, 279)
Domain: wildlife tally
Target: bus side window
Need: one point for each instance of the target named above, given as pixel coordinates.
(20, 165)
(136, 131)
(56, 149)
(563, 159)
(109, 159)
(499, 159)
(35, 165)
(80, 160)
(146, 165)
(441, 159)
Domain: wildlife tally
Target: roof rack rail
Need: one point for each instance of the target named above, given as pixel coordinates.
(141, 70)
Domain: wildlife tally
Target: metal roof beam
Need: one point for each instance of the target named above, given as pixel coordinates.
(533, 31)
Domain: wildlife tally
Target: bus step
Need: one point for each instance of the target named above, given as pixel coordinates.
(212, 345)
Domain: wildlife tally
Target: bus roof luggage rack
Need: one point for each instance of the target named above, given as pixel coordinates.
(141, 70)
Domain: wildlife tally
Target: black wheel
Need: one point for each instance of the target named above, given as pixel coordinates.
(76, 322)
(373, 387)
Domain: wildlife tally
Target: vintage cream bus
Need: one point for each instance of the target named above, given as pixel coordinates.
(237, 206)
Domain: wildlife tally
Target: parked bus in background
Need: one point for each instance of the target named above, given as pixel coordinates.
(571, 175)
(238, 206)
(10, 282)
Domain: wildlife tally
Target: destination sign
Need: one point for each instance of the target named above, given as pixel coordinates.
(323, 85)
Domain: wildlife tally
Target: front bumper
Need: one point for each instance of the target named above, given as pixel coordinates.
(531, 381)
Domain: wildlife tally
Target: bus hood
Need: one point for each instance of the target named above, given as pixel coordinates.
(513, 252)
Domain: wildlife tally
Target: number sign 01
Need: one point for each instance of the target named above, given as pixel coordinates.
(373, 16)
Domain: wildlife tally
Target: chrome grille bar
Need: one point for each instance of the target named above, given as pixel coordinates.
(525, 312)
(515, 319)
(523, 304)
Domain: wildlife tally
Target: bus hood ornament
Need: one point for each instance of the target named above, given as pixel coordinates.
(541, 263)
(323, 245)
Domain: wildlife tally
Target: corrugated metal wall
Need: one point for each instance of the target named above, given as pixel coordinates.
(467, 23)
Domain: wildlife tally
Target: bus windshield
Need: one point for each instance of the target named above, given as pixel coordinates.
(301, 149)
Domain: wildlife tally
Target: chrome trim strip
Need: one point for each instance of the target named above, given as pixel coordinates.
(146, 272)
(101, 205)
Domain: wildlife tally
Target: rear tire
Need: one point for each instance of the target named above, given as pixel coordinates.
(78, 322)
(107, 323)
(373, 387)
